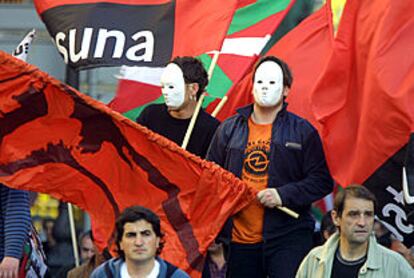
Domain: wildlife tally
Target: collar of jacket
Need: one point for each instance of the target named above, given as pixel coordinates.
(247, 110)
(329, 248)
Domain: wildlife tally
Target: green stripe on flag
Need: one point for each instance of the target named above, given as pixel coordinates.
(254, 13)
(219, 77)
(134, 113)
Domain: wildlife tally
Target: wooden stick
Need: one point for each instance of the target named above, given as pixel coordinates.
(213, 64)
(289, 212)
(199, 103)
(219, 106)
(192, 122)
(73, 234)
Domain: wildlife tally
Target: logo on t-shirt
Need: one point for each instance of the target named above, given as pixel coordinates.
(256, 162)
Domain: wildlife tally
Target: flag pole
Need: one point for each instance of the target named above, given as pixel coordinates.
(73, 234)
(289, 212)
(72, 79)
(219, 106)
(199, 103)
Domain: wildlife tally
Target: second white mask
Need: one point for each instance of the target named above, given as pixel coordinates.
(173, 86)
(268, 84)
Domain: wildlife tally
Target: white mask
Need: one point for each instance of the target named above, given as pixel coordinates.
(268, 84)
(173, 86)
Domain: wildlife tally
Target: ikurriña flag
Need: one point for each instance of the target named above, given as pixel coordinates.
(58, 141)
(250, 29)
(91, 33)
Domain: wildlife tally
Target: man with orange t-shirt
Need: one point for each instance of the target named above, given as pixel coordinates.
(281, 155)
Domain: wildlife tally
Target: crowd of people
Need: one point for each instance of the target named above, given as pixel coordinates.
(272, 150)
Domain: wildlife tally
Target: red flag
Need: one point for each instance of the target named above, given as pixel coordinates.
(55, 140)
(364, 96)
(91, 33)
(305, 49)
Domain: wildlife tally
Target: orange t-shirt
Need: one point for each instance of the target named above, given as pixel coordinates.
(248, 223)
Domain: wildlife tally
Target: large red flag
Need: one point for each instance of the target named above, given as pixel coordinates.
(364, 102)
(55, 140)
(364, 96)
(91, 33)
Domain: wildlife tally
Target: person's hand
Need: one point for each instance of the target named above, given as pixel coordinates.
(9, 267)
(269, 197)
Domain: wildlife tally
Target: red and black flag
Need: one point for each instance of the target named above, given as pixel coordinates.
(91, 33)
(55, 140)
(364, 102)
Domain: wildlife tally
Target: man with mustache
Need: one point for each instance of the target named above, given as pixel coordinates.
(353, 251)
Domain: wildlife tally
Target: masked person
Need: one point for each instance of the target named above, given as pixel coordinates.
(281, 155)
(182, 82)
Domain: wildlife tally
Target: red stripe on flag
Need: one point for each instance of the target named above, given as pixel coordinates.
(208, 31)
(237, 62)
(364, 96)
(126, 95)
(43, 5)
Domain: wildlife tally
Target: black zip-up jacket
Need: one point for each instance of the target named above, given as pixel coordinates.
(297, 166)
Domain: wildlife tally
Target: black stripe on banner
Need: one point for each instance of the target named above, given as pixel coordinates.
(108, 34)
(386, 184)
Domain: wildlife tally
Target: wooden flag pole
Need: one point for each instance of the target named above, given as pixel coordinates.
(219, 106)
(199, 104)
(289, 211)
(73, 234)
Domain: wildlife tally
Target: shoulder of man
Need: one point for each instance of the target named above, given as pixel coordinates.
(76, 272)
(149, 110)
(393, 261)
(299, 120)
(108, 269)
(210, 120)
(168, 270)
(310, 262)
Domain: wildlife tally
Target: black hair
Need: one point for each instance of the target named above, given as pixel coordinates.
(194, 72)
(86, 234)
(287, 73)
(133, 214)
(352, 191)
(327, 223)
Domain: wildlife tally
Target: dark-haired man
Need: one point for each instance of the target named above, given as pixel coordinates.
(281, 155)
(139, 241)
(182, 82)
(353, 250)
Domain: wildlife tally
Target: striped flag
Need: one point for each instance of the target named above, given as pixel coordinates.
(252, 26)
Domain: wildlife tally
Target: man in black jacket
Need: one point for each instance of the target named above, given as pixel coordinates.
(281, 155)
